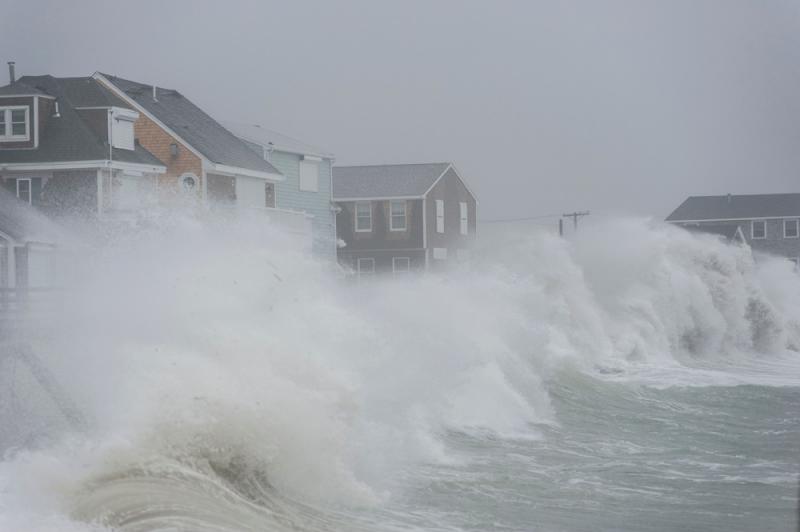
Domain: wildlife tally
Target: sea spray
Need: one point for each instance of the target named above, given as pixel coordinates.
(231, 381)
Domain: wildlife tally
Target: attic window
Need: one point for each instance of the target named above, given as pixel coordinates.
(14, 123)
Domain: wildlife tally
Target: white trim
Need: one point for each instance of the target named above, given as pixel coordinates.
(80, 165)
(8, 122)
(113, 88)
(365, 272)
(36, 121)
(797, 228)
(312, 158)
(425, 228)
(463, 182)
(408, 265)
(194, 189)
(740, 233)
(405, 216)
(355, 217)
(752, 230)
(438, 179)
(233, 171)
(30, 188)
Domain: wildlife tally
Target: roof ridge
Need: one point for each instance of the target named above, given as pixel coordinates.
(391, 164)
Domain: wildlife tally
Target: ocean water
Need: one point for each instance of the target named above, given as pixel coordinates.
(633, 377)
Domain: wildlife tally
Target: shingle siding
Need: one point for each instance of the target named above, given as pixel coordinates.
(318, 204)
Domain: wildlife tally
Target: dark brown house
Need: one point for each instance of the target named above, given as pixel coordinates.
(402, 218)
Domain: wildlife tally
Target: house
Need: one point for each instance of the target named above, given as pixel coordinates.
(67, 147)
(27, 247)
(307, 186)
(403, 217)
(769, 223)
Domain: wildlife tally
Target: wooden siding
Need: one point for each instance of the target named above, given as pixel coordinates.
(318, 204)
(452, 191)
(380, 238)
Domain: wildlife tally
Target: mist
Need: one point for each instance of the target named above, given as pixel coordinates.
(614, 106)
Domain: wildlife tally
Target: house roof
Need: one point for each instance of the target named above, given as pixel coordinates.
(726, 231)
(20, 89)
(69, 138)
(24, 223)
(737, 207)
(262, 136)
(385, 181)
(193, 125)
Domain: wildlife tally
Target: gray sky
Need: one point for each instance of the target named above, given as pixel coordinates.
(613, 106)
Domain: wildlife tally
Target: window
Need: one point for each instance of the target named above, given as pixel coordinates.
(309, 176)
(363, 217)
(462, 255)
(365, 266)
(758, 229)
(188, 183)
(397, 221)
(463, 217)
(439, 216)
(24, 190)
(440, 253)
(401, 265)
(14, 123)
(791, 228)
(269, 195)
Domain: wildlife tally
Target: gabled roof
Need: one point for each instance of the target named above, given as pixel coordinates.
(22, 222)
(737, 207)
(386, 181)
(262, 136)
(21, 89)
(726, 231)
(68, 138)
(193, 125)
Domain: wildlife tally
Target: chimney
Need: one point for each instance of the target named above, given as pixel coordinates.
(11, 76)
(155, 89)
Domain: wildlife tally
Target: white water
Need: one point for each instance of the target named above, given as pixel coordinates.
(233, 384)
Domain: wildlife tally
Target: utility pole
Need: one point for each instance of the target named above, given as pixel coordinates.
(575, 215)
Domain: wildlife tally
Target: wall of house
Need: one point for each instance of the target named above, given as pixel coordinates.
(26, 102)
(318, 204)
(157, 141)
(383, 259)
(774, 243)
(381, 237)
(452, 191)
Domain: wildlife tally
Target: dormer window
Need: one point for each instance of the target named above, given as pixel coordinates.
(14, 124)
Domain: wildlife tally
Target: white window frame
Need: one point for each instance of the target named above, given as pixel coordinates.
(396, 271)
(440, 253)
(363, 271)
(6, 135)
(355, 215)
(753, 227)
(304, 181)
(463, 210)
(30, 188)
(439, 216)
(392, 227)
(796, 225)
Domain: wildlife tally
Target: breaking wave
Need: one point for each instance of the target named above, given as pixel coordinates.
(231, 383)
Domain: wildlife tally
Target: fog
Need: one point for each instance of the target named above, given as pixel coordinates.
(545, 107)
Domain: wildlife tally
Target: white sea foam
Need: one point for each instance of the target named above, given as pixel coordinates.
(216, 355)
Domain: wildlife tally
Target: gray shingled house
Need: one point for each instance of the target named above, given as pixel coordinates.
(67, 146)
(769, 223)
(404, 217)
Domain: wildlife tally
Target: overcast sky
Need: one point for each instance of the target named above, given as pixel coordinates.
(545, 107)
